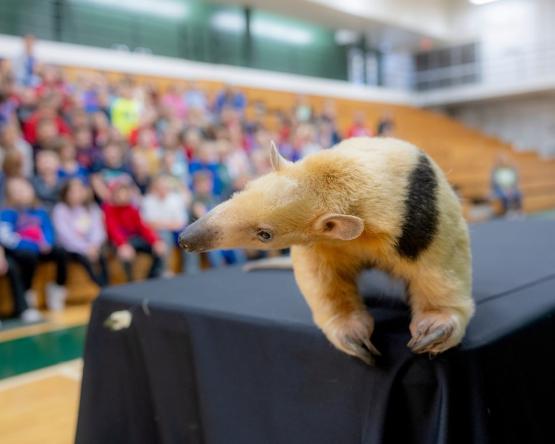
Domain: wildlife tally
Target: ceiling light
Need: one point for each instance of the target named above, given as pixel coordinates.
(228, 21)
(262, 28)
(346, 37)
(284, 33)
(481, 2)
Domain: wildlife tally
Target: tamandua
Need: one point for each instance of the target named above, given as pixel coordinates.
(378, 202)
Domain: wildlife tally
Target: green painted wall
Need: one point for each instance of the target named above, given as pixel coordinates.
(18, 17)
(203, 32)
(320, 55)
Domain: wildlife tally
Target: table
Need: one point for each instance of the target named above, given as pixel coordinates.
(229, 357)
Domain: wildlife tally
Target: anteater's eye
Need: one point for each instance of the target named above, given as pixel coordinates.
(264, 235)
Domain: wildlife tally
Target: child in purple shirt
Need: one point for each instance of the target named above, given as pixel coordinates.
(79, 226)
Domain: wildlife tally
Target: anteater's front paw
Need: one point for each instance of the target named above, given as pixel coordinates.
(351, 334)
(435, 331)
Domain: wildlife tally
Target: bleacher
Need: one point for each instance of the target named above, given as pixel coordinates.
(466, 155)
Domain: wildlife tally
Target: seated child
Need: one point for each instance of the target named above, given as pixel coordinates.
(47, 183)
(69, 167)
(206, 159)
(12, 167)
(11, 140)
(174, 160)
(79, 226)
(21, 309)
(27, 236)
(127, 231)
(165, 210)
(87, 155)
(111, 167)
(174, 163)
(140, 172)
(204, 201)
(149, 150)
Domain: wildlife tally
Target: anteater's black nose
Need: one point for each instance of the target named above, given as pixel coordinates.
(183, 242)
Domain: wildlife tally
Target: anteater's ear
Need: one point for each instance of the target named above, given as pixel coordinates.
(339, 226)
(278, 161)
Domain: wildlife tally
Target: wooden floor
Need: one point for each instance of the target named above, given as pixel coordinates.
(41, 406)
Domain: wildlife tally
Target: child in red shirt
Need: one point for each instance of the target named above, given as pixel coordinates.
(127, 231)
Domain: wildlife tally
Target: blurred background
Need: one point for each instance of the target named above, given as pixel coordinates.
(123, 121)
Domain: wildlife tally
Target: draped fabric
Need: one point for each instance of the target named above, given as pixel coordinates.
(229, 357)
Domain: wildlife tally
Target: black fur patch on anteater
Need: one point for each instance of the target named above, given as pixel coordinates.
(421, 212)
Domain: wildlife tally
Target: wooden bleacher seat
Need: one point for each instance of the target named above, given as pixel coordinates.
(80, 288)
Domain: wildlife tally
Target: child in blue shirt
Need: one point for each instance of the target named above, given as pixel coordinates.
(27, 238)
(69, 167)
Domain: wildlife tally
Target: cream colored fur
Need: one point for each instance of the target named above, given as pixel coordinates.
(303, 205)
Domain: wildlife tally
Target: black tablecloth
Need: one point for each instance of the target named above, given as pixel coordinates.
(228, 357)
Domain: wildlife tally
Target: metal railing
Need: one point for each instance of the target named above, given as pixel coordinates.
(516, 67)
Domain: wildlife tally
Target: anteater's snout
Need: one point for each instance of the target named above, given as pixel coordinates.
(199, 236)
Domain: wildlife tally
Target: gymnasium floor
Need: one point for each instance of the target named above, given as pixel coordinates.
(40, 375)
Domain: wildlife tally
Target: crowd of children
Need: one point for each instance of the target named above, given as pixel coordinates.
(92, 168)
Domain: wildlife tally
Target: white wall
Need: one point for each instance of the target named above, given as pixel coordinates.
(517, 50)
(512, 35)
(427, 17)
(526, 122)
(515, 100)
(501, 25)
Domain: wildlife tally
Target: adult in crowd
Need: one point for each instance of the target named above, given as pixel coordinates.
(25, 64)
(505, 185)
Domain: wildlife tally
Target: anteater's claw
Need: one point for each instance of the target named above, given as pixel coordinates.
(424, 343)
(363, 350)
